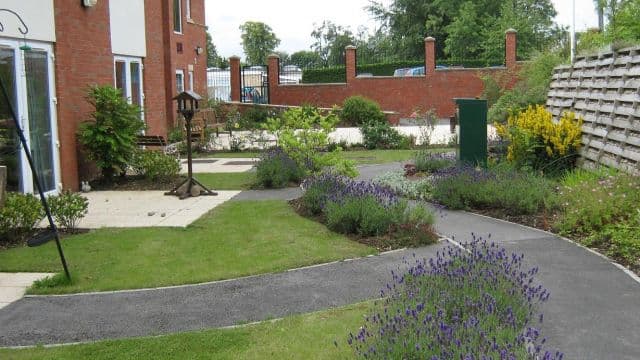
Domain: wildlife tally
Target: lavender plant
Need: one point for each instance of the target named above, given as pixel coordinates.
(427, 161)
(276, 169)
(478, 303)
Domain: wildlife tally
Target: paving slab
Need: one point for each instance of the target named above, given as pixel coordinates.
(219, 165)
(14, 285)
(126, 209)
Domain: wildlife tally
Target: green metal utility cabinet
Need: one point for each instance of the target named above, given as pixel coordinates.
(472, 119)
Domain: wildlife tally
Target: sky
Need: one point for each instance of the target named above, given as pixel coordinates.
(293, 20)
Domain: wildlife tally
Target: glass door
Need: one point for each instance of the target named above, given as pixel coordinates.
(29, 76)
(128, 78)
(10, 149)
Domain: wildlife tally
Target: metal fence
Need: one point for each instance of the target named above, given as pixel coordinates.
(255, 84)
(219, 84)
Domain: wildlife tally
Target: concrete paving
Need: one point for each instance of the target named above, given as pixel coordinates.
(126, 209)
(219, 165)
(14, 285)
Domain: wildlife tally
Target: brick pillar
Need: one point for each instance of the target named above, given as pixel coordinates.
(429, 55)
(510, 49)
(274, 75)
(351, 62)
(236, 82)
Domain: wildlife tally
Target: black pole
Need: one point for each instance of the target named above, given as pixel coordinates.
(36, 178)
(188, 116)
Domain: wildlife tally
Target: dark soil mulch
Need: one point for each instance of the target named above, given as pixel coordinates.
(136, 183)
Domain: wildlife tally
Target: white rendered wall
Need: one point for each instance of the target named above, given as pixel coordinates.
(37, 15)
(128, 34)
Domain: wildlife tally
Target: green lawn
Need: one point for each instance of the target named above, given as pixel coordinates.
(227, 181)
(309, 336)
(235, 239)
(363, 157)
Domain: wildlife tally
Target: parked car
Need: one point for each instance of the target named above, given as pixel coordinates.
(416, 71)
(400, 72)
(291, 69)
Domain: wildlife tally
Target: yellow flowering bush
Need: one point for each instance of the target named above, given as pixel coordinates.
(537, 141)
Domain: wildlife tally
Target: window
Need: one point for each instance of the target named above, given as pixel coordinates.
(177, 16)
(191, 80)
(188, 9)
(179, 81)
(128, 78)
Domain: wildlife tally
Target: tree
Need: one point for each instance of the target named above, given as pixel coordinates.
(464, 40)
(258, 41)
(213, 59)
(407, 22)
(331, 40)
(305, 59)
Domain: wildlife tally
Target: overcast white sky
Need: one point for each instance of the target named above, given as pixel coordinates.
(292, 20)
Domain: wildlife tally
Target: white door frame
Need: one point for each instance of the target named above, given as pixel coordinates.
(127, 91)
(26, 178)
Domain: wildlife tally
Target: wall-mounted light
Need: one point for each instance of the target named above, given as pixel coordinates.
(199, 50)
(89, 3)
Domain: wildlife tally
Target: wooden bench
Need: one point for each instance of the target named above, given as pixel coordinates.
(158, 141)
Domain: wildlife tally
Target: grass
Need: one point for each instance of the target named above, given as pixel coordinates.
(363, 157)
(309, 336)
(235, 239)
(228, 181)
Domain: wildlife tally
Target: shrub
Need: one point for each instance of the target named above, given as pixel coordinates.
(155, 165)
(19, 217)
(358, 110)
(620, 241)
(68, 209)
(591, 202)
(176, 135)
(505, 189)
(254, 117)
(427, 161)
(380, 135)
(276, 169)
(412, 189)
(537, 142)
(334, 74)
(531, 89)
(110, 137)
(366, 209)
(303, 133)
(460, 305)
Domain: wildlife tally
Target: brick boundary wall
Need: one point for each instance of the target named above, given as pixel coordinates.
(402, 95)
(603, 89)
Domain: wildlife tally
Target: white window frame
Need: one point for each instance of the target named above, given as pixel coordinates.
(180, 17)
(188, 10)
(22, 106)
(181, 73)
(127, 91)
(191, 80)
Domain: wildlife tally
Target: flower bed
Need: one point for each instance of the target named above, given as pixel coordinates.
(479, 304)
(367, 210)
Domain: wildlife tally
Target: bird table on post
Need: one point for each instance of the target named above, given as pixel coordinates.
(187, 107)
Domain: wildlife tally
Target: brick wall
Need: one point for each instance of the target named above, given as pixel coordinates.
(436, 90)
(83, 58)
(155, 99)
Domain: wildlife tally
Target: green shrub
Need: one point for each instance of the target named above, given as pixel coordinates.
(514, 192)
(254, 117)
(427, 161)
(277, 170)
(68, 209)
(335, 74)
(620, 241)
(364, 216)
(19, 217)
(380, 135)
(176, 135)
(590, 203)
(358, 110)
(303, 133)
(110, 137)
(155, 165)
(531, 89)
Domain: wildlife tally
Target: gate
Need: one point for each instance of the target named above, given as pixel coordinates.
(255, 84)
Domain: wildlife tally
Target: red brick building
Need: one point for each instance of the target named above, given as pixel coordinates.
(150, 49)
